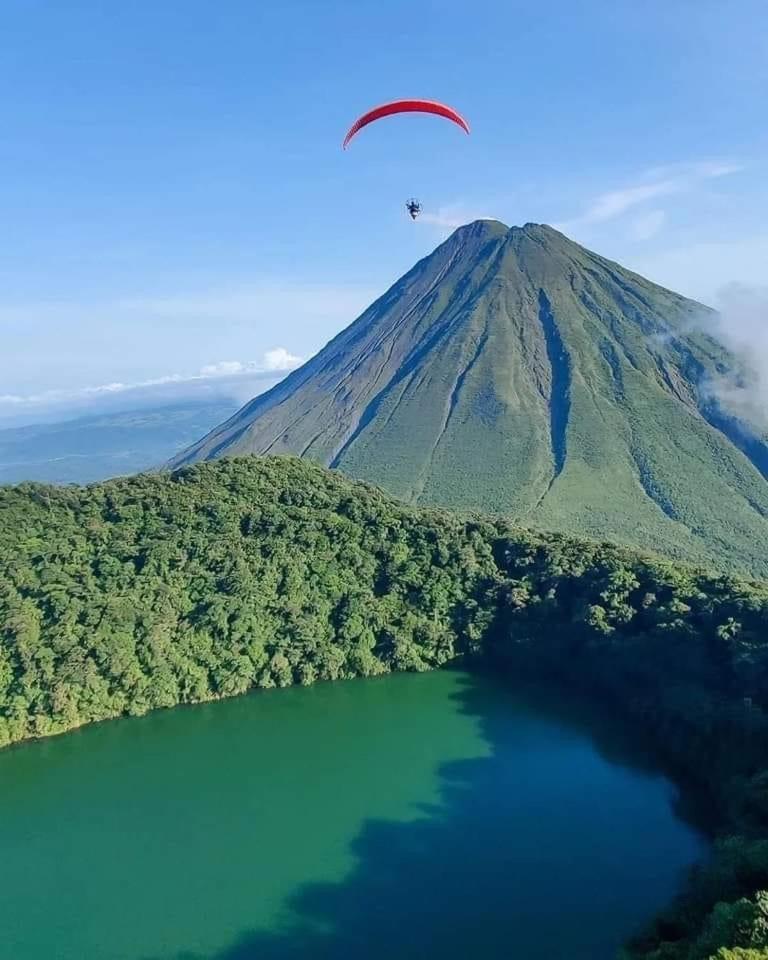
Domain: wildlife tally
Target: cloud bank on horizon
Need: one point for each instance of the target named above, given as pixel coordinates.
(235, 379)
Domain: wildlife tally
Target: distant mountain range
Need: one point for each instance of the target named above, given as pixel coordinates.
(93, 448)
(516, 372)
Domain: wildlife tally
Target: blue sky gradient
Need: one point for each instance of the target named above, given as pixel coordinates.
(173, 192)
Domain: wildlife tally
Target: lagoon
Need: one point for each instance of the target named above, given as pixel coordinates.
(415, 815)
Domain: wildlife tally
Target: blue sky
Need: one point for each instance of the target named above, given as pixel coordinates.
(173, 194)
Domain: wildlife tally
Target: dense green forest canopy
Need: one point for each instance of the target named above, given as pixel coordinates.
(146, 592)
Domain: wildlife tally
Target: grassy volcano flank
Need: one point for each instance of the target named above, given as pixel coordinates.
(515, 372)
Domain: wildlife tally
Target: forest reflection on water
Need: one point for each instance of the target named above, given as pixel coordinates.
(434, 815)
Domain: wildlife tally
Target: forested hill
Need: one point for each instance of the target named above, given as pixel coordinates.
(146, 592)
(143, 592)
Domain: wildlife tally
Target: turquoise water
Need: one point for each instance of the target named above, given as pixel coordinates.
(433, 815)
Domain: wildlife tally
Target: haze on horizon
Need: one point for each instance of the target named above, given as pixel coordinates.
(175, 198)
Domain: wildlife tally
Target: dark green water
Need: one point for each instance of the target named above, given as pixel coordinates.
(435, 815)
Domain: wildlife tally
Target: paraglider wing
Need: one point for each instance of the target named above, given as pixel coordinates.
(406, 106)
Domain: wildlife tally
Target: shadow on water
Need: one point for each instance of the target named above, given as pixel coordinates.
(449, 883)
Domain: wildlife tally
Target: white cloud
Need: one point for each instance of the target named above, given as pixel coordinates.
(451, 216)
(704, 170)
(658, 182)
(647, 225)
(741, 324)
(280, 359)
(224, 368)
(442, 220)
(274, 361)
(609, 205)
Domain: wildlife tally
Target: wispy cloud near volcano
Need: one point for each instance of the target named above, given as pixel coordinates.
(741, 324)
(655, 183)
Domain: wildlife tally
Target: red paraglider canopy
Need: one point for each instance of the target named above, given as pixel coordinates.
(406, 106)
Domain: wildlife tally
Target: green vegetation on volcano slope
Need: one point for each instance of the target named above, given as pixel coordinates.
(147, 592)
(514, 372)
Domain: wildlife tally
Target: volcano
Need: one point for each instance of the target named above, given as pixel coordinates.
(514, 372)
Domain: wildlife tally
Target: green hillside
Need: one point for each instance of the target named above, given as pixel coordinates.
(146, 592)
(514, 372)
